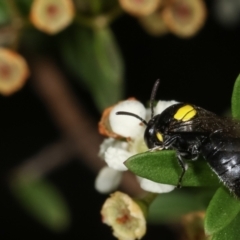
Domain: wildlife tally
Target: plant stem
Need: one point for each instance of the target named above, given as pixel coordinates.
(100, 20)
(149, 197)
(17, 23)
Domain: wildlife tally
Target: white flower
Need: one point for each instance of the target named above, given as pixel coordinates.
(107, 142)
(115, 158)
(127, 126)
(147, 184)
(115, 152)
(108, 179)
(124, 216)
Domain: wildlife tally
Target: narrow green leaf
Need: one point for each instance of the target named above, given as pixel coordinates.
(42, 200)
(230, 232)
(95, 59)
(222, 209)
(4, 12)
(236, 99)
(163, 167)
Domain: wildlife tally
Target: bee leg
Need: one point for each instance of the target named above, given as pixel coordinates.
(194, 150)
(182, 165)
(156, 148)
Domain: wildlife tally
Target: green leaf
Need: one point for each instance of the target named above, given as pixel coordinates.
(94, 57)
(222, 209)
(171, 206)
(42, 200)
(4, 12)
(163, 167)
(236, 99)
(230, 232)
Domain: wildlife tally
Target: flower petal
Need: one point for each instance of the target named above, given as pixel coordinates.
(154, 187)
(115, 157)
(108, 142)
(124, 125)
(108, 179)
(104, 127)
(138, 145)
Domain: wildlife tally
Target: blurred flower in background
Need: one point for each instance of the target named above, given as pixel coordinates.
(183, 18)
(52, 16)
(192, 225)
(227, 12)
(140, 8)
(13, 71)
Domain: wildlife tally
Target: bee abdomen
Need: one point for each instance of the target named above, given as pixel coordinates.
(223, 156)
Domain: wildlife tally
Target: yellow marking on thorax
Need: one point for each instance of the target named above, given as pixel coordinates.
(185, 113)
(159, 136)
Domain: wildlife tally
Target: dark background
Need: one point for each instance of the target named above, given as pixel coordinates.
(200, 70)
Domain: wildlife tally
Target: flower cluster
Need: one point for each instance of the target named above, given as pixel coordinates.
(125, 138)
(13, 71)
(183, 18)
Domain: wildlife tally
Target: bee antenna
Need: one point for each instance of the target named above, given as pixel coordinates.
(153, 94)
(133, 115)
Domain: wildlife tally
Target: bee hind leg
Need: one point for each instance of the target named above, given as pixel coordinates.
(183, 165)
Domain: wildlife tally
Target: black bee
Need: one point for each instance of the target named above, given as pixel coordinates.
(193, 131)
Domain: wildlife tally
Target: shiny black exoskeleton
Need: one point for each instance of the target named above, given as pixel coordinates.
(193, 131)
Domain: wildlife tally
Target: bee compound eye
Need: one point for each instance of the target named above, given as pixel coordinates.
(149, 137)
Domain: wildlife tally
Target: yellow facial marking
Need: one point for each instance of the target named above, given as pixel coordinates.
(159, 136)
(185, 113)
